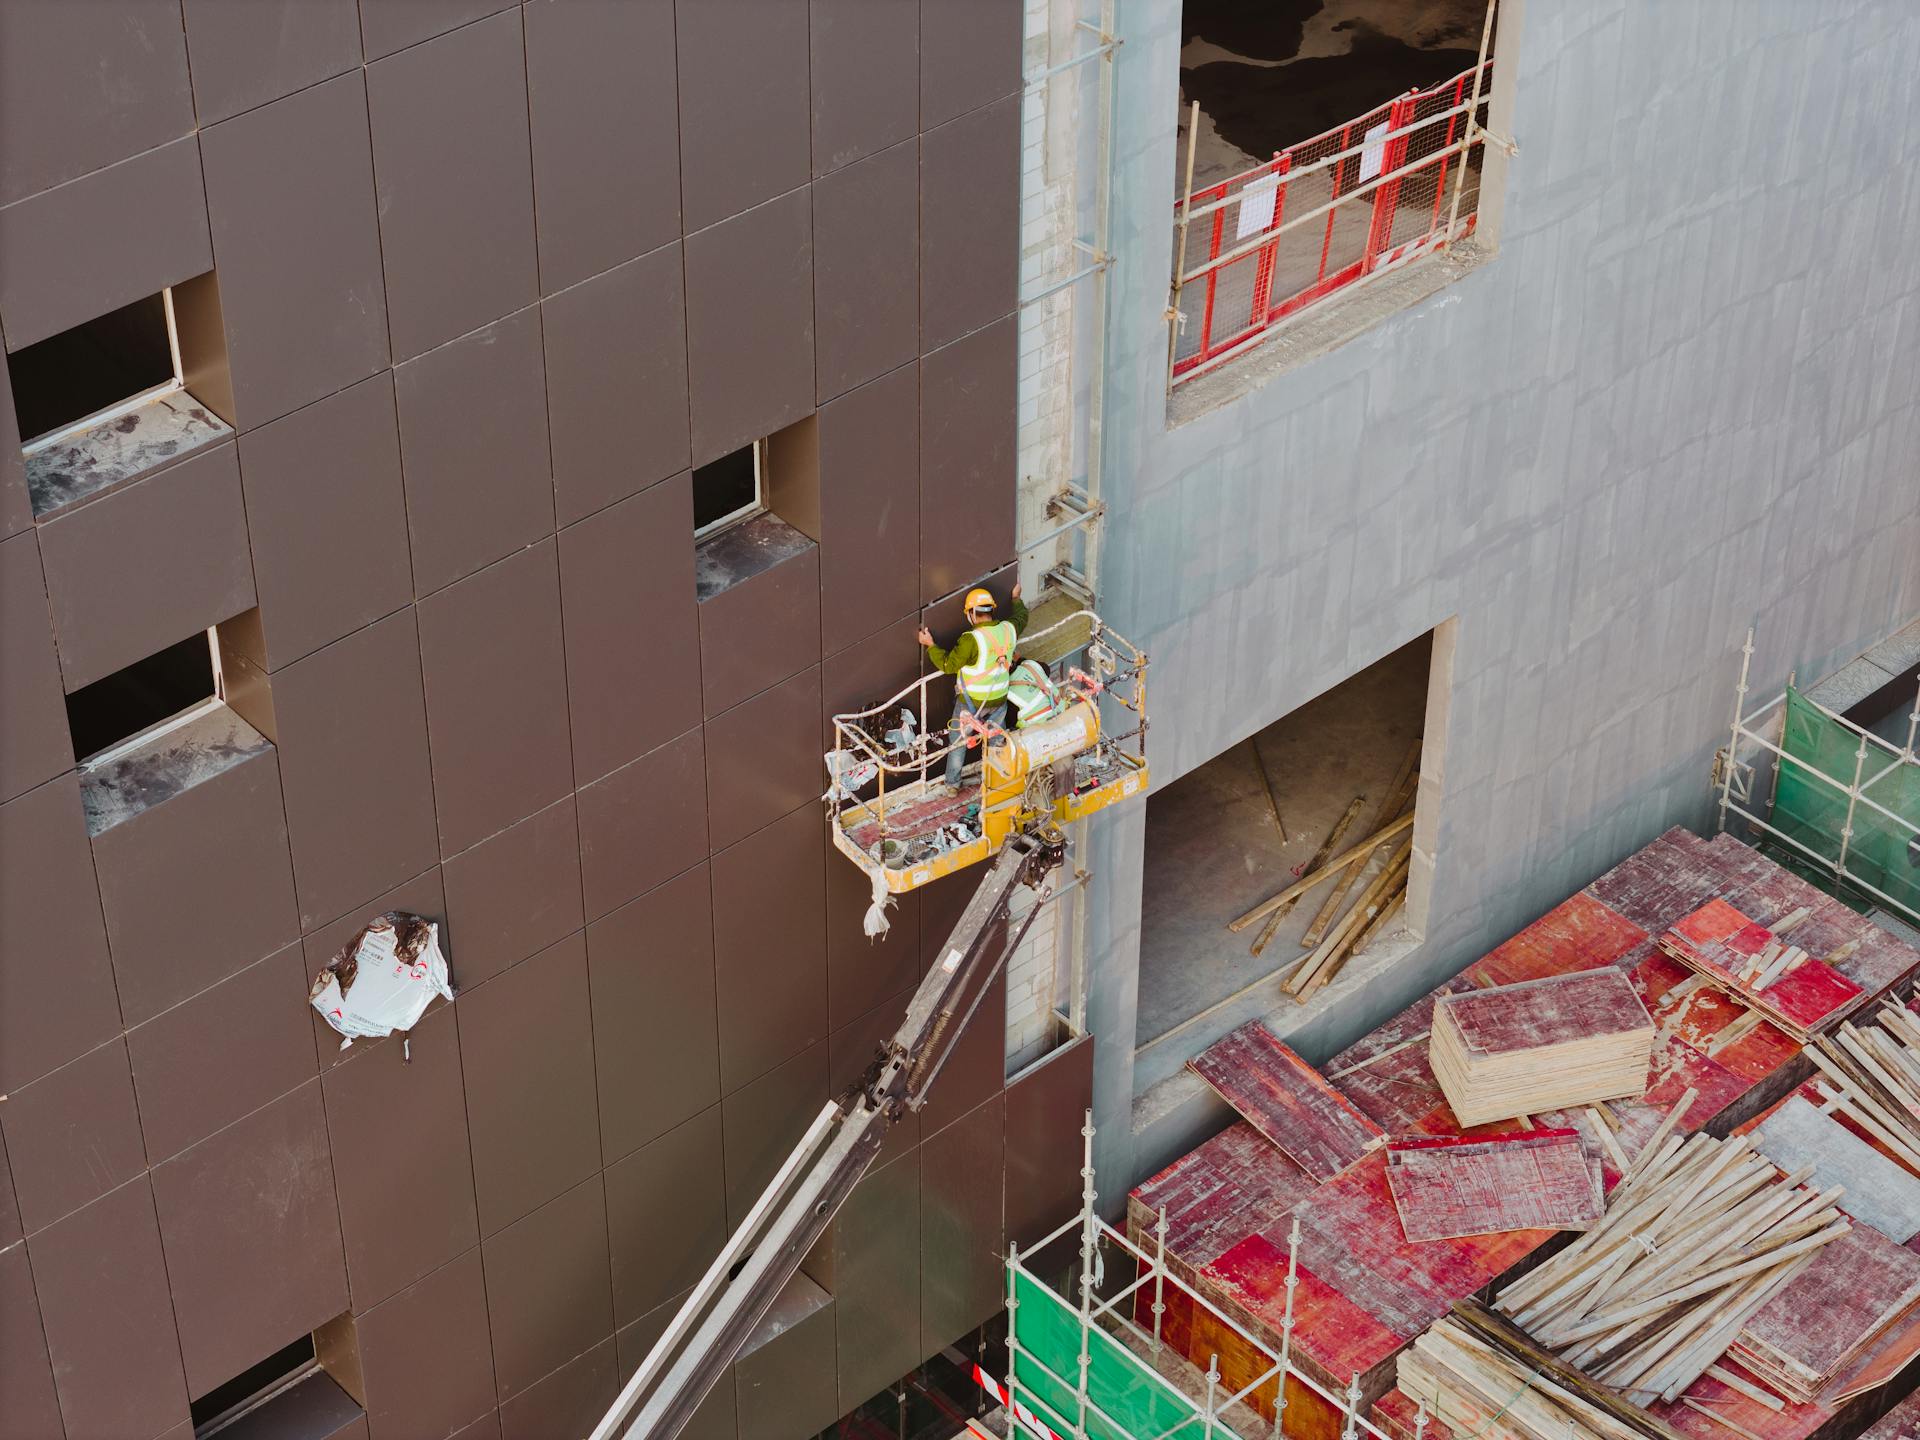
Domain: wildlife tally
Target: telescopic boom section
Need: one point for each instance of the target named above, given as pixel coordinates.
(838, 1148)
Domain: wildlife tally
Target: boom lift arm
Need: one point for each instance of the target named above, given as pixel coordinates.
(838, 1148)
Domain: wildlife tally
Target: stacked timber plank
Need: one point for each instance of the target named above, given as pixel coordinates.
(1871, 1074)
(1799, 992)
(1449, 1186)
(1844, 1324)
(1699, 1237)
(1540, 1045)
(1286, 1100)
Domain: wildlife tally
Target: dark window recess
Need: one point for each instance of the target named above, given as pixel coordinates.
(69, 376)
(725, 489)
(145, 693)
(252, 1383)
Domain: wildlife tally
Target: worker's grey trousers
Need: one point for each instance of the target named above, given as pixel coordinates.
(993, 713)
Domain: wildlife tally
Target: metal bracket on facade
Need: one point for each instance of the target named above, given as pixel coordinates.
(1073, 503)
(1506, 143)
(1100, 262)
(1106, 45)
(1069, 579)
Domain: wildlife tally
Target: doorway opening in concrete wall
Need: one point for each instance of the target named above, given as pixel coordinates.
(1350, 774)
(1323, 146)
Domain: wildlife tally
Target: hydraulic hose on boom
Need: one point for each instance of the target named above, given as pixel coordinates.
(838, 1148)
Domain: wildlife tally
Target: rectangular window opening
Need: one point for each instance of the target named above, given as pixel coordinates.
(221, 1407)
(122, 394)
(148, 695)
(1330, 148)
(756, 507)
(309, 1387)
(729, 490)
(1344, 766)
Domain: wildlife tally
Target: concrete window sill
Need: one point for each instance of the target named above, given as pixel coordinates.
(118, 450)
(167, 761)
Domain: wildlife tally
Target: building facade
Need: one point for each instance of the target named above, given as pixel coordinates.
(462, 297)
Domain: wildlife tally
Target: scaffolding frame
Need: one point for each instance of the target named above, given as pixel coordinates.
(1032, 1413)
(1734, 778)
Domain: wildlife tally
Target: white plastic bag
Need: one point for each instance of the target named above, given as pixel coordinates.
(384, 979)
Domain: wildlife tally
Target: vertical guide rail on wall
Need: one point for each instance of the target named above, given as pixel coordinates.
(1860, 829)
(1473, 121)
(1087, 1369)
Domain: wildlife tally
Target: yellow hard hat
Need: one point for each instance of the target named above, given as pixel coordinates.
(979, 599)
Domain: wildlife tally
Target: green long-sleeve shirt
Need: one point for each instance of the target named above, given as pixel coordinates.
(966, 649)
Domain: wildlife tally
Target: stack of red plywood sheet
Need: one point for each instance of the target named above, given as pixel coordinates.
(1540, 1045)
(1846, 1323)
(1797, 991)
(1445, 1187)
(1286, 1100)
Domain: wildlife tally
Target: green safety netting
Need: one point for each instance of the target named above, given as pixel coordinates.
(1814, 813)
(1120, 1386)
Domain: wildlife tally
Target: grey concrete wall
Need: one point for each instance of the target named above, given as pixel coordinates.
(1680, 400)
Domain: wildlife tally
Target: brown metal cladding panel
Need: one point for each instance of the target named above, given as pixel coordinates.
(714, 1420)
(16, 509)
(871, 672)
(252, 1235)
(295, 178)
(784, 1382)
(526, 1041)
(970, 232)
(61, 65)
(967, 398)
(643, 824)
(391, 25)
(73, 1135)
(236, 1046)
(400, 1159)
(865, 80)
(743, 105)
(749, 311)
(455, 172)
(28, 1405)
(862, 973)
(969, 56)
(770, 946)
(102, 1283)
(570, 1401)
(606, 165)
(473, 438)
(869, 507)
(876, 1281)
(763, 759)
(34, 741)
(854, 1047)
(426, 1355)
(515, 892)
(941, 905)
(248, 52)
(1045, 1109)
(10, 1227)
(666, 1215)
(323, 484)
(487, 1427)
(50, 905)
(976, 1070)
(496, 696)
(762, 1122)
(962, 1230)
(342, 762)
(68, 255)
(423, 895)
(633, 640)
(866, 247)
(230, 826)
(548, 1293)
(617, 381)
(145, 567)
(656, 1044)
(760, 631)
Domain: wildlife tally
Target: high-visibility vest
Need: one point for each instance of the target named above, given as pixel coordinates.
(984, 682)
(1034, 696)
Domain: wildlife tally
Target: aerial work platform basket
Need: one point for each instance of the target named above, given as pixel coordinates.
(1081, 748)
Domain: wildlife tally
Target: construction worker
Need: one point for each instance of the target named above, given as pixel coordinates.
(981, 661)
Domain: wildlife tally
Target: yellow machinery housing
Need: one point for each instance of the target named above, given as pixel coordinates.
(894, 817)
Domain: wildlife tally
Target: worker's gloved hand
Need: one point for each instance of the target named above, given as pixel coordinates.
(923, 635)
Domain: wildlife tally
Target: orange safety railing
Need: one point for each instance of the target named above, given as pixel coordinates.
(1366, 196)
